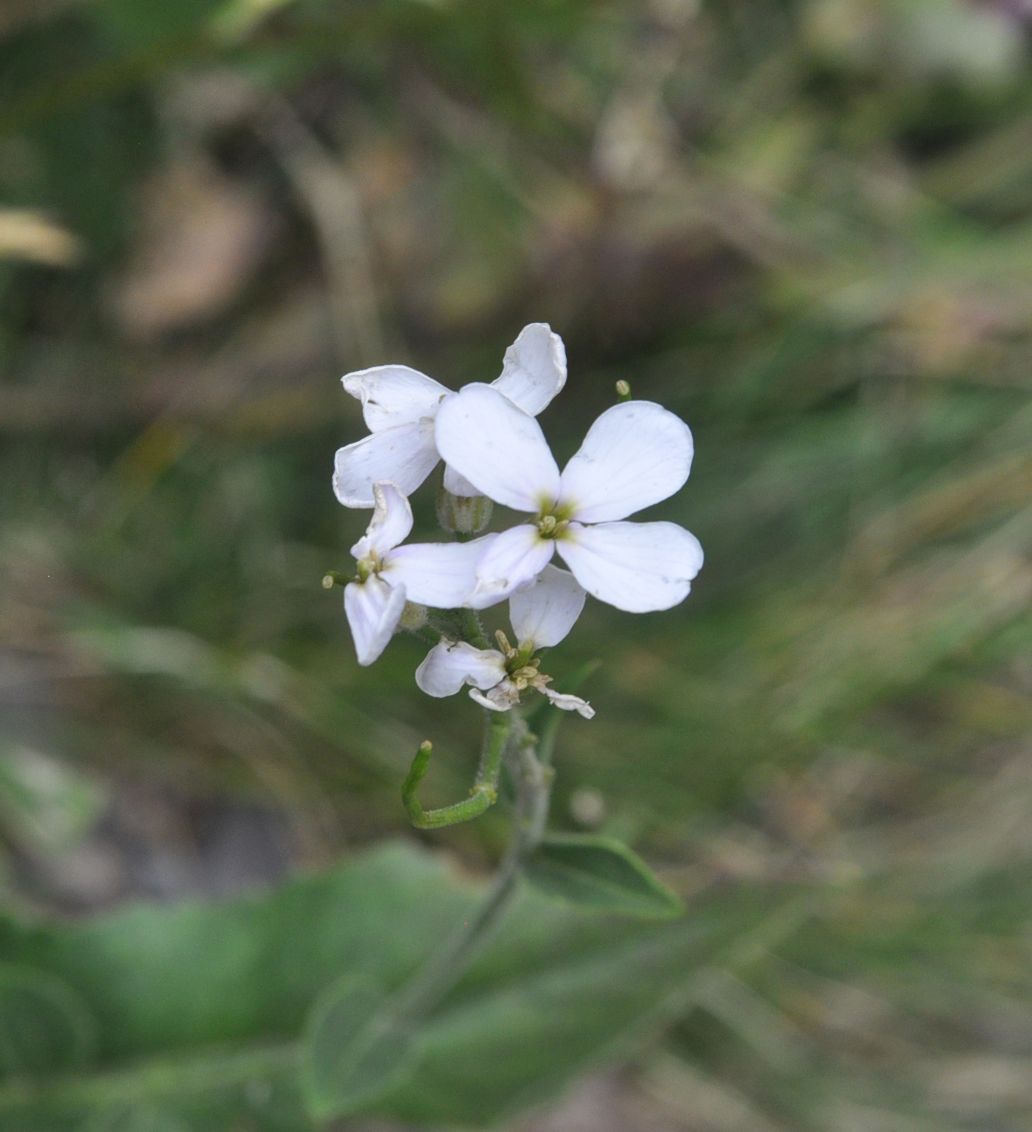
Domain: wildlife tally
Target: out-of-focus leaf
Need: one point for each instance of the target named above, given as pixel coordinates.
(561, 1011)
(355, 1051)
(264, 959)
(138, 26)
(29, 235)
(44, 1025)
(600, 872)
(201, 238)
(216, 1041)
(44, 805)
(135, 1118)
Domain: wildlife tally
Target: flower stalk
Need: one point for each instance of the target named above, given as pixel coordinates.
(533, 782)
(483, 793)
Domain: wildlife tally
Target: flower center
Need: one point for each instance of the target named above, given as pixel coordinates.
(553, 519)
(522, 667)
(365, 567)
(519, 657)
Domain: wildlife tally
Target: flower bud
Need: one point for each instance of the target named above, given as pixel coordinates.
(413, 617)
(463, 514)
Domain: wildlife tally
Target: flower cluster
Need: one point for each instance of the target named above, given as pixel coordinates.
(636, 454)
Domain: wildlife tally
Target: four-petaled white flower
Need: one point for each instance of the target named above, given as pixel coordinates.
(399, 405)
(440, 575)
(542, 614)
(636, 454)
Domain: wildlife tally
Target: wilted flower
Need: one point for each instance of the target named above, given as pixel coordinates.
(541, 614)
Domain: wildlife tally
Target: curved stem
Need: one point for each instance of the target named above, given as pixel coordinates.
(533, 791)
(484, 792)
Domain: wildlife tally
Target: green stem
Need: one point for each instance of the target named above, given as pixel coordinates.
(459, 625)
(446, 967)
(482, 795)
(497, 728)
(473, 630)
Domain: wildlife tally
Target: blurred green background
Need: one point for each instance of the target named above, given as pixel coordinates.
(806, 227)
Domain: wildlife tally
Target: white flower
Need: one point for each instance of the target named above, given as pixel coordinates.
(542, 614)
(399, 405)
(634, 455)
(440, 575)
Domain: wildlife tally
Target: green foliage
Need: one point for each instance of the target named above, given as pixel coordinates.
(197, 1041)
(806, 228)
(43, 1025)
(355, 1049)
(602, 873)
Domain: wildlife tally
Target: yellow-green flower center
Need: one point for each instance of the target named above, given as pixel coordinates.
(553, 519)
(370, 564)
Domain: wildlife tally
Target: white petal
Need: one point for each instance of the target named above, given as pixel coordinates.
(373, 610)
(456, 484)
(534, 368)
(570, 703)
(502, 697)
(484, 437)
(439, 574)
(634, 566)
(394, 395)
(634, 455)
(512, 559)
(451, 664)
(404, 455)
(390, 524)
(545, 611)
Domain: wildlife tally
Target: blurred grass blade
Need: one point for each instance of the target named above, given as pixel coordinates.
(546, 721)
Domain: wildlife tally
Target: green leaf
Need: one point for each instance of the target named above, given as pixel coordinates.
(137, 26)
(602, 873)
(44, 1025)
(356, 1048)
(582, 991)
(200, 1009)
(166, 980)
(134, 1118)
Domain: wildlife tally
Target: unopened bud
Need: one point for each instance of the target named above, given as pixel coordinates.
(413, 617)
(623, 390)
(588, 806)
(335, 578)
(463, 514)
